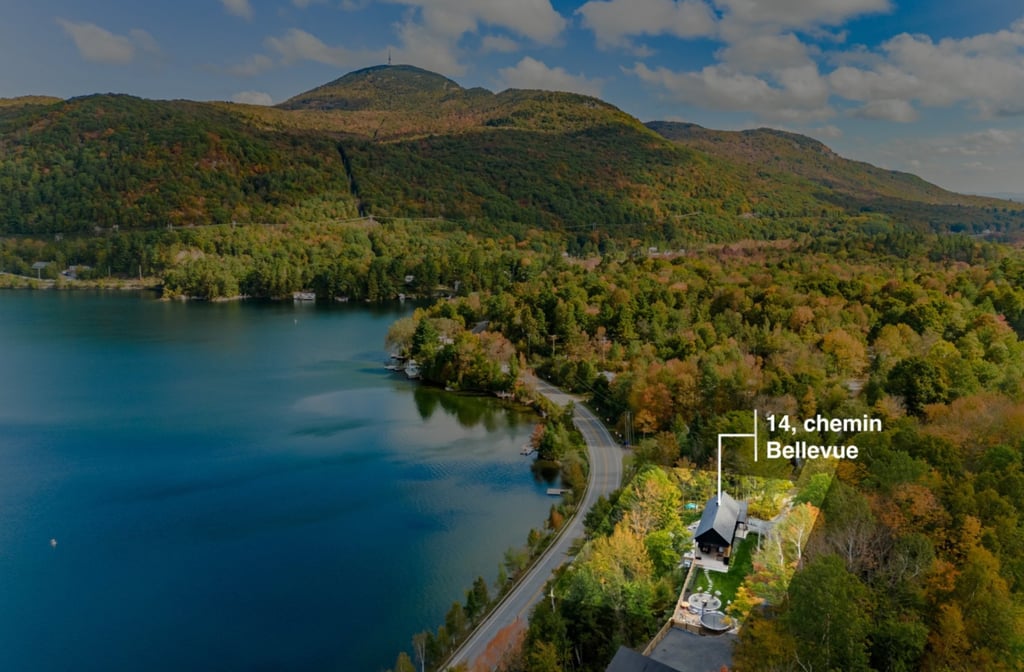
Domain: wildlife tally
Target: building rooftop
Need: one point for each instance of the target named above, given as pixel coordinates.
(685, 651)
(718, 522)
(628, 660)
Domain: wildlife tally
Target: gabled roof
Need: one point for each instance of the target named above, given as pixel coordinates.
(628, 660)
(718, 522)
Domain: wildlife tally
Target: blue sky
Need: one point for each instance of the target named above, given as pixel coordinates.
(934, 87)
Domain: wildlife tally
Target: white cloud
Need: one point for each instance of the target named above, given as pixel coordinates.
(431, 33)
(240, 8)
(888, 109)
(989, 144)
(766, 53)
(641, 51)
(827, 131)
(800, 14)
(985, 161)
(252, 66)
(533, 19)
(253, 98)
(530, 73)
(979, 166)
(885, 82)
(144, 40)
(427, 49)
(498, 43)
(613, 21)
(298, 45)
(763, 67)
(990, 141)
(789, 94)
(101, 46)
(984, 71)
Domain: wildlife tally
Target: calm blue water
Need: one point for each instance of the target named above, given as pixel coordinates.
(236, 487)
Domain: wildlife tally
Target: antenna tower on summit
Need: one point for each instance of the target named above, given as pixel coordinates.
(389, 57)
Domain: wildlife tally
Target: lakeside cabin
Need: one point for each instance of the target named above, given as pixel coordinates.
(718, 526)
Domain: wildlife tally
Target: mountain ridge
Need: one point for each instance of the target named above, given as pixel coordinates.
(405, 142)
(772, 149)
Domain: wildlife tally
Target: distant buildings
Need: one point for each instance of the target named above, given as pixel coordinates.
(39, 267)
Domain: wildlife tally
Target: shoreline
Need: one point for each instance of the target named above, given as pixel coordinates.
(14, 281)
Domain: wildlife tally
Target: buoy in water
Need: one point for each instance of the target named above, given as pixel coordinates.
(53, 543)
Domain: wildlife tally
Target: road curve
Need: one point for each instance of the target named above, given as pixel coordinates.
(605, 476)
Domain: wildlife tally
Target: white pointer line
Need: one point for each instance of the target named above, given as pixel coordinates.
(734, 436)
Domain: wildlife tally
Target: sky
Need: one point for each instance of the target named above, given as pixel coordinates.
(932, 87)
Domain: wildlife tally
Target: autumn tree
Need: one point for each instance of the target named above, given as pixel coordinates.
(829, 614)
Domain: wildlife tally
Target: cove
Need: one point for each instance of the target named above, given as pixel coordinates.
(236, 486)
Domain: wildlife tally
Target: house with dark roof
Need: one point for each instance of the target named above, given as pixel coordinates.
(628, 660)
(718, 525)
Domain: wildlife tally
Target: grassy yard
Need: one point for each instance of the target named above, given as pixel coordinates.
(740, 565)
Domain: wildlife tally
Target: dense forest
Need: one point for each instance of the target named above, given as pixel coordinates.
(915, 554)
(678, 278)
(404, 142)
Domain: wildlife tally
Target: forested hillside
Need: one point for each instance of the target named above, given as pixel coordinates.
(915, 562)
(852, 186)
(105, 161)
(679, 282)
(403, 142)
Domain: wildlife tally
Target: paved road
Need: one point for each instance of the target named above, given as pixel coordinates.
(605, 476)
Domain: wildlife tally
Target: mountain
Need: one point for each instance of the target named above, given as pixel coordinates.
(852, 185)
(402, 141)
(382, 87)
(783, 152)
(113, 160)
(24, 101)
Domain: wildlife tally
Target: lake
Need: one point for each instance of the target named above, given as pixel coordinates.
(236, 486)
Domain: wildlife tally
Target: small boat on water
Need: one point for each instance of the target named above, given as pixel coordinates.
(412, 369)
(304, 296)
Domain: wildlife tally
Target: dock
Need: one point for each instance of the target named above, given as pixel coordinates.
(558, 492)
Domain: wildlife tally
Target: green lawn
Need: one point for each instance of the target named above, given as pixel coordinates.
(740, 565)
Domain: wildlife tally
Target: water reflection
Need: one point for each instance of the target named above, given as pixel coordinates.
(468, 410)
(426, 401)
